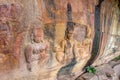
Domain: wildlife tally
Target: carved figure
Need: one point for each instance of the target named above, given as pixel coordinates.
(68, 48)
(84, 51)
(72, 53)
(5, 30)
(36, 53)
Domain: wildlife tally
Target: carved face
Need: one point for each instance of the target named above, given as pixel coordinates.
(38, 35)
(70, 34)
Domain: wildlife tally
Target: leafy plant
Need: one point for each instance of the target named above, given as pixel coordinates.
(90, 69)
(116, 58)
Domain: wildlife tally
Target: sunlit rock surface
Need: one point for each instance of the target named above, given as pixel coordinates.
(54, 39)
(109, 71)
(109, 30)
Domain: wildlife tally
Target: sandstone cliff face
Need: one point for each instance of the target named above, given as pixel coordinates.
(53, 39)
(109, 32)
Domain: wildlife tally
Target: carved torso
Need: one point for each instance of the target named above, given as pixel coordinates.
(69, 50)
(38, 48)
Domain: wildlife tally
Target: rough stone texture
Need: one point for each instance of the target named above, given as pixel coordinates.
(104, 72)
(116, 69)
(10, 31)
(109, 34)
(61, 49)
(29, 54)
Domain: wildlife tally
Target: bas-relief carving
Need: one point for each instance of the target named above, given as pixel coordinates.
(80, 40)
(37, 52)
(9, 15)
(5, 31)
(74, 49)
(72, 52)
(67, 50)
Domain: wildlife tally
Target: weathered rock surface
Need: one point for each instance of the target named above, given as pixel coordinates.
(109, 71)
(109, 32)
(54, 39)
(117, 70)
(41, 38)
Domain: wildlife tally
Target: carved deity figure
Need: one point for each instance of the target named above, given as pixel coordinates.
(71, 53)
(68, 48)
(5, 30)
(36, 53)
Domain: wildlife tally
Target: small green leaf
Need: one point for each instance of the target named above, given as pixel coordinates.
(90, 69)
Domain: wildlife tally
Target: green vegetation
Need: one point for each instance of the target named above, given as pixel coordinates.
(90, 69)
(117, 58)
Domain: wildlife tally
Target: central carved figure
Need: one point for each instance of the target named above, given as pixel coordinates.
(68, 50)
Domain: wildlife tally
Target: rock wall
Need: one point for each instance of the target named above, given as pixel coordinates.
(109, 32)
(45, 39)
(108, 71)
(53, 39)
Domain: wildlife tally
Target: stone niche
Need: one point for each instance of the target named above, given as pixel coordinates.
(50, 39)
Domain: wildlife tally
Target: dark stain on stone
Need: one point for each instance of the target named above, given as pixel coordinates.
(69, 12)
(49, 31)
(50, 8)
(119, 4)
(70, 23)
(96, 41)
(65, 72)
